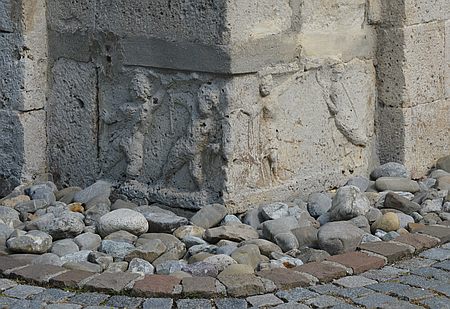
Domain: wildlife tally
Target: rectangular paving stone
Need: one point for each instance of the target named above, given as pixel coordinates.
(354, 281)
(418, 241)
(194, 304)
(443, 288)
(358, 261)
(23, 291)
(430, 272)
(89, 299)
(325, 272)
(441, 232)
(111, 282)
(291, 306)
(8, 263)
(296, 295)
(155, 285)
(199, 286)
(52, 296)
(445, 265)
(121, 301)
(402, 291)
(63, 306)
(418, 281)
(285, 278)
(231, 303)
(376, 300)
(353, 293)
(437, 302)
(160, 303)
(384, 274)
(323, 301)
(414, 263)
(10, 303)
(393, 252)
(265, 300)
(37, 273)
(325, 288)
(6, 284)
(71, 279)
(437, 254)
(242, 285)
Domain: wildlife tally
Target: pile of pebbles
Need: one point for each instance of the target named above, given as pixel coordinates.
(81, 229)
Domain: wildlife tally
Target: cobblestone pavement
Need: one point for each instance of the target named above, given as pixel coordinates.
(420, 282)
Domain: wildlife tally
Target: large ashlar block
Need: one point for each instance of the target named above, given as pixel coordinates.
(410, 72)
(427, 134)
(6, 21)
(71, 16)
(22, 144)
(72, 123)
(407, 12)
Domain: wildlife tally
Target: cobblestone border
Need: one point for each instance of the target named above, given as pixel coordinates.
(370, 256)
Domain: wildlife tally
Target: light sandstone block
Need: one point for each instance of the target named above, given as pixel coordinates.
(447, 60)
(72, 123)
(410, 72)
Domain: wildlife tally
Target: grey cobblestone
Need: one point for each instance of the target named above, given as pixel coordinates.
(402, 291)
(354, 281)
(415, 263)
(194, 304)
(323, 301)
(445, 265)
(11, 303)
(376, 300)
(89, 299)
(124, 302)
(418, 281)
(436, 303)
(160, 303)
(430, 272)
(23, 291)
(438, 254)
(325, 288)
(63, 306)
(6, 284)
(52, 296)
(385, 273)
(264, 300)
(291, 306)
(231, 303)
(443, 289)
(296, 295)
(353, 293)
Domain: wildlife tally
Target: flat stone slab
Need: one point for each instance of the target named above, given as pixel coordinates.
(199, 286)
(401, 290)
(266, 300)
(37, 273)
(160, 303)
(111, 282)
(393, 252)
(325, 272)
(285, 278)
(8, 263)
(296, 295)
(70, 279)
(437, 254)
(354, 282)
(445, 265)
(324, 301)
(194, 304)
(231, 303)
(358, 261)
(6, 284)
(418, 241)
(155, 285)
(23, 291)
(120, 301)
(53, 296)
(441, 232)
(242, 285)
(89, 299)
(384, 274)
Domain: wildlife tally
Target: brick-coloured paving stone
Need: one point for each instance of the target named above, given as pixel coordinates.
(436, 302)
(23, 291)
(441, 232)
(121, 301)
(242, 285)
(53, 296)
(70, 279)
(265, 300)
(445, 265)
(384, 274)
(393, 252)
(156, 285)
(7, 263)
(231, 303)
(325, 272)
(111, 282)
(437, 254)
(199, 286)
(285, 278)
(354, 281)
(402, 291)
(418, 241)
(89, 299)
(358, 261)
(160, 303)
(296, 295)
(194, 304)
(323, 301)
(37, 273)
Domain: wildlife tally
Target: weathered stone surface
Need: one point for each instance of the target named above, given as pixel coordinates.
(111, 282)
(393, 252)
(318, 204)
(359, 262)
(444, 164)
(272, 228)
(141, 266)
(155, 285)
(274, 211)
(88, 241)
(285, 278)
(242, 285)
(123, 220)
(64, 246)
(265, 247)
(122, 236)
(98, 189)
(323, 271)
(161, 220)
(396, 184)
(32, 242)
(339, 237)
(348, 203)
(391, 169)
(209, 216)
(189, 230)
(234, 233)
(66, 226)
(388, 222)
(149, 251)
(203, 287)
(220, 261)
(248, 254)
(38, 273)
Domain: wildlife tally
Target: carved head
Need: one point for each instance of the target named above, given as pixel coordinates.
(208, 98)
(266, 86)
(141, 87)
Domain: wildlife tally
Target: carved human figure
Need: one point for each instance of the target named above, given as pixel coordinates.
(136, 116)
(190, 148)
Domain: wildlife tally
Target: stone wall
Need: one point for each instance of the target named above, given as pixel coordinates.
(233, 101)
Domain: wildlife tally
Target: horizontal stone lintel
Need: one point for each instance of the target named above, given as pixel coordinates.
(248, 57)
